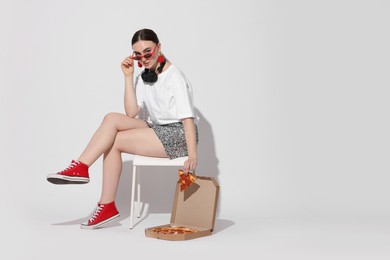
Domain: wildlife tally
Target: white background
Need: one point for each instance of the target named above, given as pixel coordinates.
(293, 98)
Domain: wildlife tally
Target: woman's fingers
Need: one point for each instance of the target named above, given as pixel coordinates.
(189, 166)
(127, 62)
(186, 167)
(127, 66)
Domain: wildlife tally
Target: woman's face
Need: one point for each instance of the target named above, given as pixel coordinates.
(146, 48)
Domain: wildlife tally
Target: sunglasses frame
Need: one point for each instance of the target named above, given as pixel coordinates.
(140, 57)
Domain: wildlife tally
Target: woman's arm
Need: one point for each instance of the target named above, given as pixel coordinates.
(189, 129)
(130, 100)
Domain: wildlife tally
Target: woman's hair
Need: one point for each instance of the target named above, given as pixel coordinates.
(145, 35)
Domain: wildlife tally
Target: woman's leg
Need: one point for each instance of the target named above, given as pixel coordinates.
(141, 141)
(105, 135)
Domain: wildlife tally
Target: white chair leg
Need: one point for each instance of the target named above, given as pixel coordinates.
(132, 196)
(138, 194)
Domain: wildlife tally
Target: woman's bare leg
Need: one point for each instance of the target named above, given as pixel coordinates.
(141, 141)
(105, 135)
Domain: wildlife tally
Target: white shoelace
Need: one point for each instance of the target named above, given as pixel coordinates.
(97, 212)
(72, 165)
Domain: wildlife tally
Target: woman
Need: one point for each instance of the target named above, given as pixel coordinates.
(170, 132)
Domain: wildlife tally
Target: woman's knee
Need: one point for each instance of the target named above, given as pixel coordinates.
(111, 119)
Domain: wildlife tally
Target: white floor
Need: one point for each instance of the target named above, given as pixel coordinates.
(42, 221)
(54, 237)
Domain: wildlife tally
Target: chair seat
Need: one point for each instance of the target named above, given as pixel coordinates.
(157, 161)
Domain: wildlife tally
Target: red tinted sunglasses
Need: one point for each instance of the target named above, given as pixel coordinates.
(147, 55)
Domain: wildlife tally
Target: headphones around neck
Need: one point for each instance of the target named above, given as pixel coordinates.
(150, 76)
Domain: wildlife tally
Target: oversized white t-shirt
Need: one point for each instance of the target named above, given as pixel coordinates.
(169, 99)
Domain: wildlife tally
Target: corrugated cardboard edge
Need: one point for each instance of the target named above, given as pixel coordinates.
(216, 202)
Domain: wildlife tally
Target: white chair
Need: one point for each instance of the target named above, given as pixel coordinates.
(138, 161)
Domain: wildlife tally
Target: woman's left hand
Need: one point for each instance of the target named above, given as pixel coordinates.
(190, 165)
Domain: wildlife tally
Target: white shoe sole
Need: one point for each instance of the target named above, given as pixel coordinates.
(63, 179)
(86, 226)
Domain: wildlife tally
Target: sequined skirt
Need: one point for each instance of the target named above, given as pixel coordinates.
(173, 138)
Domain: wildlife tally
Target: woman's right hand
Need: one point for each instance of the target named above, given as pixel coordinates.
(127, 66)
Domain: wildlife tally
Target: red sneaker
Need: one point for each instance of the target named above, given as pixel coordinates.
(76, 173)
(103, 214)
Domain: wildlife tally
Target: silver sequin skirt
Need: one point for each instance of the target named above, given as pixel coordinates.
(173, 138)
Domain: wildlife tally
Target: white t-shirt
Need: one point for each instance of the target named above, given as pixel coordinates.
(169, 99)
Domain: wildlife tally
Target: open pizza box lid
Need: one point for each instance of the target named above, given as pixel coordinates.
(193, 209)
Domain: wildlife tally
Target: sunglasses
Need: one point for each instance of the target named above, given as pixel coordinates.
(147, 55)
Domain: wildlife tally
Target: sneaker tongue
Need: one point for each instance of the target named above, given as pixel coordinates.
(75, 162)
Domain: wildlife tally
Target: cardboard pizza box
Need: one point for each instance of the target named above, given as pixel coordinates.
(193, 213)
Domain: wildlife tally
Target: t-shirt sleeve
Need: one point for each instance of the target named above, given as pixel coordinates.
(139, 93)
(183, 96)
